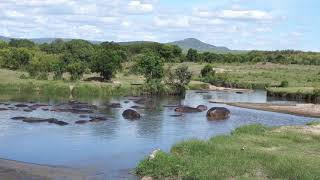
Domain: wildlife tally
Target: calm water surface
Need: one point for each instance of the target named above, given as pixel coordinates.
(115, 146)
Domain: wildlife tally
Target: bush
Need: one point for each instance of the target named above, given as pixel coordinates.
(207, 71)
(150, 65)
(23, 76)
(284, 83)
(43, 76)
(76, 70)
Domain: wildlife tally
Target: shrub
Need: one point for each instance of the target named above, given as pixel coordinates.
(284, 83)
(23, 76)
(207, 71)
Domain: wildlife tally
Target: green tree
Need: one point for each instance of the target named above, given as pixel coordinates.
(76, 70)
(16, 58)
(106, 62)
(55, 47)
(80, 50)
(207, 70)
(192, 55)
(151, 66)
(3, 44)
(183, 75)
(21, 43)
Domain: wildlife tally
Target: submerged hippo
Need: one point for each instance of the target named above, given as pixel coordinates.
(202, 107)
(114, 105)
(187, 109)
(218, 113)
(97, 119)
(131, 114)
(81, 122)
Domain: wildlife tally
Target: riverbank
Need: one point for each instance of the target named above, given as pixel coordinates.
(250, 152)
(14, 170)
(307, 94)
(308, 110)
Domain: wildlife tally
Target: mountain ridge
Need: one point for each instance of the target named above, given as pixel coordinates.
(193, 43)
(185, 44)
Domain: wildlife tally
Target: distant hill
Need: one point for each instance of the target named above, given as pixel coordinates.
(193, 43)
(3, 38)
(43, 40)
(185, 44)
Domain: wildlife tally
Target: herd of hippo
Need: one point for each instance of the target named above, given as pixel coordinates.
(86, 111)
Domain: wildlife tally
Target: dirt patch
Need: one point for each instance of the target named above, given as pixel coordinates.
(14, 170)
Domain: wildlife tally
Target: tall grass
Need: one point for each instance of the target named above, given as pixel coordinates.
(251, 152)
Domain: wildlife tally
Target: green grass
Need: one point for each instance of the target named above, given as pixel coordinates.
(267, 154)
(313, 123)
(271, 74)
(301, 78)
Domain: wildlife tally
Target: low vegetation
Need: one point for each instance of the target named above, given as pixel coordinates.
(250, 152)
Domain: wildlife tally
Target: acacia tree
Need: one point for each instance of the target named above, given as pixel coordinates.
(106, 62)
(183, 75)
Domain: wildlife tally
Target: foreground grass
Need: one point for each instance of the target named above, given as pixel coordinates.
(251, 152)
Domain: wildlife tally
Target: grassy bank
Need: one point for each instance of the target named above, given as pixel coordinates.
(308, 94)
(257, 76)
(251, 152)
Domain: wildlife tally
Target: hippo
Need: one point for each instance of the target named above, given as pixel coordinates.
(218, 113)
(131, 114)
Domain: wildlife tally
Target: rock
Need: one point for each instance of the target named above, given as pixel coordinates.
(19, 118)
(202, 107)
(146, 178)
(81, 122)
(187, 109)
(21, 105)
(131, 114)
(218, 113)
(45, 109)
(239, 92)
(153, 154)
(3, 109)
(126, 102)
(114, 105)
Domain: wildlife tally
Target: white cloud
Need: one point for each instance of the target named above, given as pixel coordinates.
(175, 22)
(139, 7)
(233, 14)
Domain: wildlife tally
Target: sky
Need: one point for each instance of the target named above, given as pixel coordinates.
(236, 24)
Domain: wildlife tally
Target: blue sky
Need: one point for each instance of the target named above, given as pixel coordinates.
(237, 24)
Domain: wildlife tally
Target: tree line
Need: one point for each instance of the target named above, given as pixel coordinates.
(279, 57)
(78, 57)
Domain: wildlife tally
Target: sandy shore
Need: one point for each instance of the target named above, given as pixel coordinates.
(309, 110)
(216, 88)
(14, 170)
